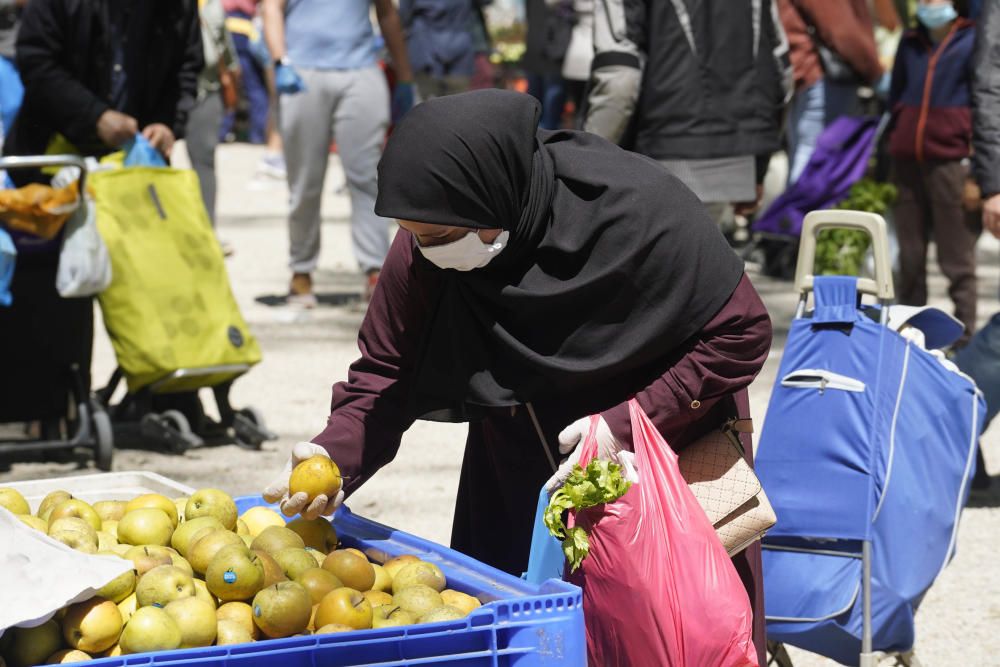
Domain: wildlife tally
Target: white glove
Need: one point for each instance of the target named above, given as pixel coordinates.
(277, 491)
(608, 448)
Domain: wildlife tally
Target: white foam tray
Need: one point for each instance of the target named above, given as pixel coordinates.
(103, 486)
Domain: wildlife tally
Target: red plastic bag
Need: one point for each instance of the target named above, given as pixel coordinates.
(658, 586)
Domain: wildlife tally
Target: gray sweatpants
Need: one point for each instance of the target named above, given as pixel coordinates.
(351, 106)
(202, 136)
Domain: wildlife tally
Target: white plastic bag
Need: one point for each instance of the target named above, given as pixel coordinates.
(84, 264)
(39, 576)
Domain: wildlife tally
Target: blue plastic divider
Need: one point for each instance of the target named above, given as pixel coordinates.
(520, 624)
(547, 560)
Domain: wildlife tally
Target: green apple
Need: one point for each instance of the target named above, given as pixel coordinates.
(276, 538)
(67, 655)
(150, 629)
(201, 553)
(424, 573)
(345, 606)
(241, 613)
(394, 565)
(145, 525)
(442, 613)
(30, 646)
(163, 584)
(418, 599)
(127, 607)
(13, 501)
(230, 632)
(181, 539)
(76, 508)
(35, 522)
(121, 586)
(202, 593)
(155, 501)
(378, 598)
(354, 570)
(333, 628)
(75, 540)
(50, 501)
(147, 557)
(294, 561)
(214, 503)
(110, 526)
(461, 601)
(272, 571)
(383, 582)
(389, 616)
(282, 610)
(319, 582)
(196, 620)
(317, 533)
(75, 524)
(105, 541)
(235, 573)
(110, 510)
(181, 505)
(92, 626)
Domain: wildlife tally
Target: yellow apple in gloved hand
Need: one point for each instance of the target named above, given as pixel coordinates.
(92, 626)
(309, 484)
(150, 629)
(13, 501)
(163, 584)
(214, 503)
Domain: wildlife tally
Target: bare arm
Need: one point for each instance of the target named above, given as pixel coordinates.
(392, 33)
(274, 27)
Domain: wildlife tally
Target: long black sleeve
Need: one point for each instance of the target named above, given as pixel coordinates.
(986, 99)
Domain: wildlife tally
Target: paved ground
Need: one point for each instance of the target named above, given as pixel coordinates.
(305, 352)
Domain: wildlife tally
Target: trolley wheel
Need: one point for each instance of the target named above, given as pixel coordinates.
(104, 438)
(171, 429)
(249, 429)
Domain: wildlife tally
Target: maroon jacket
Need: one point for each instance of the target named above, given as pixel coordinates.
(368, 411)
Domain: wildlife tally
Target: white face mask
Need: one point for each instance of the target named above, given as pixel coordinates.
(465, 254)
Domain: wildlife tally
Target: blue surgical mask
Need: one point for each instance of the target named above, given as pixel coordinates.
(936, 16)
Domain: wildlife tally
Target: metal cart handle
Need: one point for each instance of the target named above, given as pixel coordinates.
(42, 161)
(870, 223)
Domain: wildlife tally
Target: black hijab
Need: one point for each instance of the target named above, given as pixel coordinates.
(611, 264)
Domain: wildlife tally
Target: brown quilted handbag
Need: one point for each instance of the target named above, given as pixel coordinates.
(726, 486)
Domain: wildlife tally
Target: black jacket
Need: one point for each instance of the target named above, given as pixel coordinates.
(697, 79)
(986, 99)
(64, 54)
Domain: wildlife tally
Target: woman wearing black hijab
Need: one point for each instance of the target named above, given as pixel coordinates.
(539, 277)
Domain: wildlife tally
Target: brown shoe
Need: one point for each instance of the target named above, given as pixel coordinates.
(300, 292)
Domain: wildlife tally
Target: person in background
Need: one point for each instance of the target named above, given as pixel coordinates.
(239, 22)
(95, 74)
(331, 87)
(839, 33)
(981, 357)
(440, 44)
(11, 88)
(666, 84)
(579, 55)
(929, 138)
(550, 27)
(205, 121)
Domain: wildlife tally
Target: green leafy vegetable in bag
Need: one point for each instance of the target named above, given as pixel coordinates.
(599, 483)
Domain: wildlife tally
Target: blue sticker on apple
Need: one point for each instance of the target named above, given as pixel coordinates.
(229, 577)
(256, 610)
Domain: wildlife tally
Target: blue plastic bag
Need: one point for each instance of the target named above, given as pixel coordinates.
(140, 153)
(546, 560)
(8, 257)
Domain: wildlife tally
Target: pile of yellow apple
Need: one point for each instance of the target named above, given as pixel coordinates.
(203, 575)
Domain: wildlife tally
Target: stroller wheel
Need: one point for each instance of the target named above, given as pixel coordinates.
(249, 429)
(104, 439)
(170, 429)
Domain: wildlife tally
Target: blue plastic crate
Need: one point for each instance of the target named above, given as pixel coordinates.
(519, 625)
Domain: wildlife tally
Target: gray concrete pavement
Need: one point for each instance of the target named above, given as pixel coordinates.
(305, 352)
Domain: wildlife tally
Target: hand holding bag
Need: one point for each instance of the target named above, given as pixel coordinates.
(727, 488)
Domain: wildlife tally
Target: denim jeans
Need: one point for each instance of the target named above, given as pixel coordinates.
(814, 108)
(550, 90)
